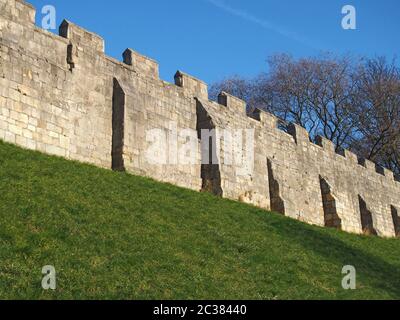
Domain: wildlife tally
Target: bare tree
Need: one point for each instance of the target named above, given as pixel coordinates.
(331, 97)
(354, 103)
(289, 83)
(377, 111)
(317, 94)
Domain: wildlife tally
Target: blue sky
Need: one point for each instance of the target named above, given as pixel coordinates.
(212, 39)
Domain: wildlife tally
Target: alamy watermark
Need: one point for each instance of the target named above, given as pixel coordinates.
(175, 146)
(349, 280)
(49, 17)
(349, 21)
(49, 279)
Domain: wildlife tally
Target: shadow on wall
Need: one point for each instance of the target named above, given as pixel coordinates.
(396, 221)
(367, 222)
(118, 115)
(277, 203)
(210, 171)
(331, 218)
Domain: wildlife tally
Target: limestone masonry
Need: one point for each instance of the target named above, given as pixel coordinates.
(62, 95)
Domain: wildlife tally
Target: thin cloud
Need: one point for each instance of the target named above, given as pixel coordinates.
(262, 23)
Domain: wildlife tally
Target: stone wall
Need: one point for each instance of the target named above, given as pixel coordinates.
(62, 95)
(289, 171)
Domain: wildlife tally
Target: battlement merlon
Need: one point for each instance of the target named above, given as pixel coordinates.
(194, 86)
(18, 11)
(300, 134)
(368, 164)
(388, 173)
(326, 144)
(232, 102)
(141, 64)
(373, 167)
(351, 156)
(83, 39)
(266, 118)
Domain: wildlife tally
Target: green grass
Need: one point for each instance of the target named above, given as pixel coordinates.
(117, 236)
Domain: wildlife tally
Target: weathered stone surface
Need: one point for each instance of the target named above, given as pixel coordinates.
(62, 95)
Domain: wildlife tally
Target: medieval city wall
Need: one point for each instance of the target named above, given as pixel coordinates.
(57, 96)
(289, 170)
(62, 95)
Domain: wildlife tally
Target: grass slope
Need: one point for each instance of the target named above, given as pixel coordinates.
(116, 236)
